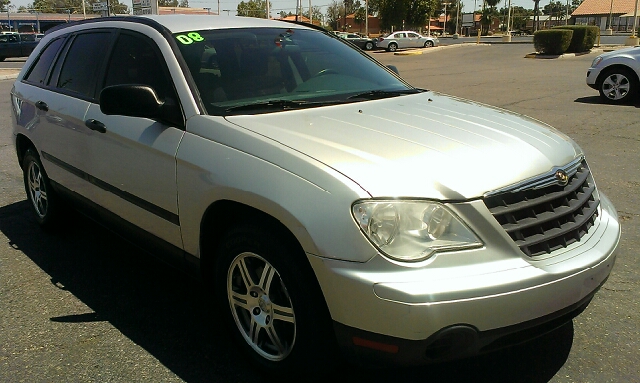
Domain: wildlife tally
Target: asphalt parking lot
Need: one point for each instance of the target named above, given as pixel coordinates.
(80, 305)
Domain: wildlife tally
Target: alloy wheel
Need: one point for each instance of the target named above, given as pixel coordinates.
(261, 306)
(616, 86)
(37, 190)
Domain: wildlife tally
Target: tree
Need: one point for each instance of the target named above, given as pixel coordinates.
(536, 14)
(338, 10)
(317, 13)
(184, 4)
(555, 9)
(253, 8)
(4, 5)
(489, 13)
(406, 13)
(519, 17)
(335, 10)
(360, 17)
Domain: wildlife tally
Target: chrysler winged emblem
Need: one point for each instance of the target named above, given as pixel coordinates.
(562, 177)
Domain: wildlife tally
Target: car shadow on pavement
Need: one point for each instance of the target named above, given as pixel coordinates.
(168, 313)
(598, 100)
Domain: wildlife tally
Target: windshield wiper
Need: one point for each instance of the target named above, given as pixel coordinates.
(270, 105)
(374, 94)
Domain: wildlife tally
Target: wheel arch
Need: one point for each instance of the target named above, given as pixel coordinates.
(23, 143)
(213, 229)
(606, 70)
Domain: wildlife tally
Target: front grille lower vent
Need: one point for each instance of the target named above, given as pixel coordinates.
(542, 220)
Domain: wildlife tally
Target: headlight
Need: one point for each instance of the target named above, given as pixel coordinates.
(412, 230)
(596, 61)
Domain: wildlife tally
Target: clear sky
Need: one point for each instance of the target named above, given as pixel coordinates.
(290, 5)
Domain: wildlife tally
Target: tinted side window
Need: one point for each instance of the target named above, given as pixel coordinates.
(83, 62)
(135, 60)
(8, 38)
(39, 71)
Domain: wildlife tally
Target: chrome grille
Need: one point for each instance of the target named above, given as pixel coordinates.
(544, 219)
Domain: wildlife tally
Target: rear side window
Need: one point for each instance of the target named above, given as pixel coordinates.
(83, 63)
(38, 73)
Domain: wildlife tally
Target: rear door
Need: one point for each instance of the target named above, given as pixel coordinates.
(56, 92)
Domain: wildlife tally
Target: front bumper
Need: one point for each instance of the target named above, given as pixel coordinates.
(592, 77)
(411, 309)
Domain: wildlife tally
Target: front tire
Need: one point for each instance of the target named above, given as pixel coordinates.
(618, 85)
(428, 44)
(43, 200)
(392, 47)
(368, 46)
(272, 301)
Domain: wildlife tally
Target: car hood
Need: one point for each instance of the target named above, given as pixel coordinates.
(427, 145)
(630, 52)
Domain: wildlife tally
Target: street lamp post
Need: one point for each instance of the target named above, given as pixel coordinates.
(507, 36)
(455, 35)
(444, 27)
(366, 17)
(609, 30)
(633, 39)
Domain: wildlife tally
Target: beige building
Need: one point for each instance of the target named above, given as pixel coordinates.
(616, 14)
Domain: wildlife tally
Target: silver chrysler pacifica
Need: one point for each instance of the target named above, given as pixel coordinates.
(330, 206)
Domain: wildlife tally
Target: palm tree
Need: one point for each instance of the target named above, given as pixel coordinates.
(487, 14)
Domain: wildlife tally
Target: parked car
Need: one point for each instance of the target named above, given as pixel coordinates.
(362, 42)
(406, 39)
(327, 203)
(616, 75)
(16, 45)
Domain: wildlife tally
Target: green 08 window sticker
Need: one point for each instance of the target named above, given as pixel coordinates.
(189, 38)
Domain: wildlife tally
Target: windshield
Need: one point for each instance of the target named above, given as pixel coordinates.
(280, 68)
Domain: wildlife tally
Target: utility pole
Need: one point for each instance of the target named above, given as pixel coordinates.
(366, 17)
(267, 9)
(344, 25)
(444, 28)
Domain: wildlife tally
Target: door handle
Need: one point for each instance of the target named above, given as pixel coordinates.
(95, 125)
(42, 106)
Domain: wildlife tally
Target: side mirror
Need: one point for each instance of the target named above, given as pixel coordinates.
(394, 69)
(130, 100)
(139, 101)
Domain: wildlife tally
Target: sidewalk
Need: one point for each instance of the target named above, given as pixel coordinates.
(8, 74)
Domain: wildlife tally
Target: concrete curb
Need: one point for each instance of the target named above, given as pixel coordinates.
(601, 49)
(419, 51)
(411, 52)
(9, 75)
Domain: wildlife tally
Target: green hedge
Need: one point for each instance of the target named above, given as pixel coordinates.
(584, 37)
(552, 41)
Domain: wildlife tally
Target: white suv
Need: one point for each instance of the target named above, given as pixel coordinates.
(330, 204)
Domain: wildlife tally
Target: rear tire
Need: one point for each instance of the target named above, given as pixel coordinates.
(368, 46)
(43, 200)
(272, 302)
(618, 85)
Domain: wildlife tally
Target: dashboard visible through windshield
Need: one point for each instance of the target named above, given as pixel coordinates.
(259, 70)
